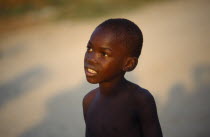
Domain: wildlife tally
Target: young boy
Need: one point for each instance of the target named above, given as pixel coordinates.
(117, 108)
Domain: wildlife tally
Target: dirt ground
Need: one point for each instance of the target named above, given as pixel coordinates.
(42, 82)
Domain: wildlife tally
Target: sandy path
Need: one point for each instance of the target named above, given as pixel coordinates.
(49, 58)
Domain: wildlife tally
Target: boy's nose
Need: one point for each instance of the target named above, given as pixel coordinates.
(92, 58)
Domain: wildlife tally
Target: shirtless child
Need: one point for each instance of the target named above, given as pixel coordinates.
(117, 108)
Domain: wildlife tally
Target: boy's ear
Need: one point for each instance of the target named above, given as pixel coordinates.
(130, 63)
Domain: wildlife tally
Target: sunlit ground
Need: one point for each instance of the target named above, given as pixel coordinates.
(42, 82)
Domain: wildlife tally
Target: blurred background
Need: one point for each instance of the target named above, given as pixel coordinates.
(42, 46)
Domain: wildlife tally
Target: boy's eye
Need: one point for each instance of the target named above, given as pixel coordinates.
(104, 54)
(89, 49)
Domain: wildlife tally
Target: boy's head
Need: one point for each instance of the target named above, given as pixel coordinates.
(113, 49)
(126, 33)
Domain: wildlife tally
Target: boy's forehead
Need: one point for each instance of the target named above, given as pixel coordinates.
(105, 35)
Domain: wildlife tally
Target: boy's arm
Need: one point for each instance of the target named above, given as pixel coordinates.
(147, 113)
(87, 101)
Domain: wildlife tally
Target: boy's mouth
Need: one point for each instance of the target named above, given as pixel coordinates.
(90, 72)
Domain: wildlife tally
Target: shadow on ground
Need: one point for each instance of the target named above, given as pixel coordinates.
(14, 51)
(186, 114)
(22, 83)
(65, 116)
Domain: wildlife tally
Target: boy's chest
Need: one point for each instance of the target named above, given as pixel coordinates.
(111, 117)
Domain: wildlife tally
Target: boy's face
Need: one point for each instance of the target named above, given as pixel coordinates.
(105, 57)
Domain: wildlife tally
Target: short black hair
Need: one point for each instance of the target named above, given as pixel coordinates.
(127, 32)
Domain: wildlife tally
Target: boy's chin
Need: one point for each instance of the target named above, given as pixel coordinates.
(92, 81)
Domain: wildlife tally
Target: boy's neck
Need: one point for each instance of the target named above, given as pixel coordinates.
(112, 87)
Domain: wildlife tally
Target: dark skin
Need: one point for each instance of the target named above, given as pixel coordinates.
(117, 108)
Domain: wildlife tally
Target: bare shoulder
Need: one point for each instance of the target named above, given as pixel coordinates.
(141, 95)
(88, 98)
(146, 111)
